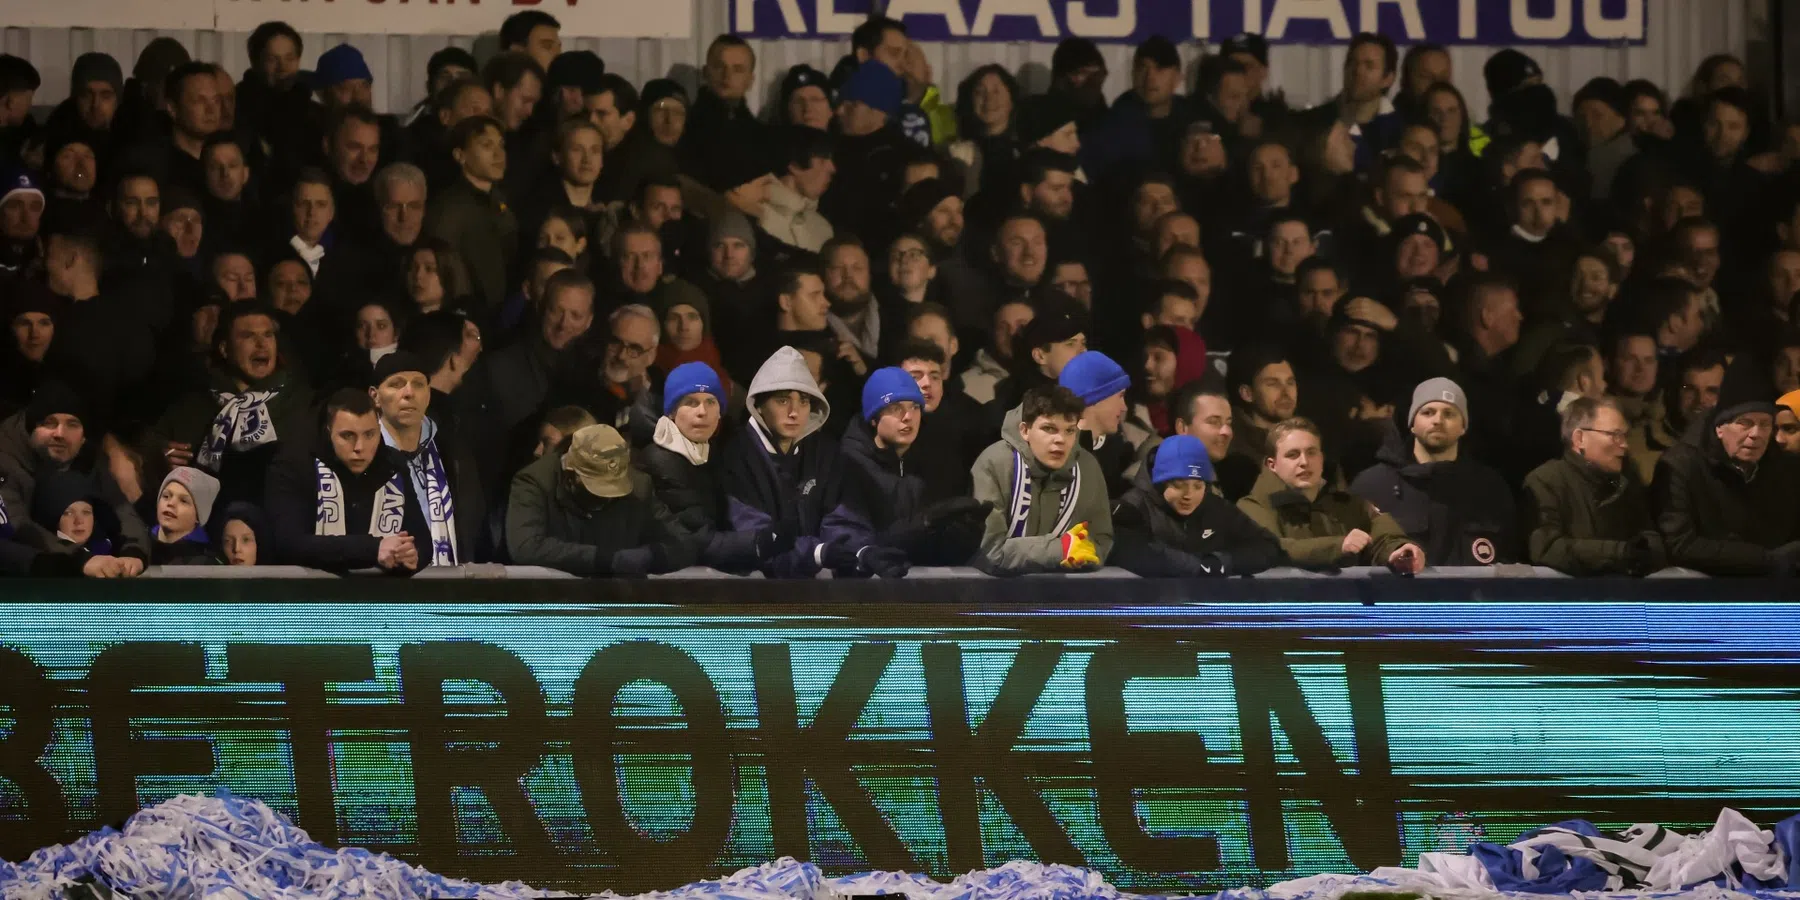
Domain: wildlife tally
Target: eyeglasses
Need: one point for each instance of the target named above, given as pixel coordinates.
(910, 254)
(633, 350)
(1618, 435)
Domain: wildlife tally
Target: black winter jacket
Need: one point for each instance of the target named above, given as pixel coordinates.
(292, 494)
(552, 522)
(1149, 539)
(693, 496)
(1717, 518)
(1460, 512)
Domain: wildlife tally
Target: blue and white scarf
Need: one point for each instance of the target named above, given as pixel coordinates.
(1021, 498)
(6, 527)
(243, 423)
(388, 516)
(432, 485)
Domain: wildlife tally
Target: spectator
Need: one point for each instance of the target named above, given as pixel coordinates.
(471, 215)
(1787, 422)
(804, 176)
(1693, 383)
(233, 427)
(443, 474)
(50, 438)
(679, 462)
(720, 117)
(1586, 514)
(68, 505)
(805, 98)
(1459, 510)
(783, 476)
(1267, 393)
(1168, 526)
(509, 386)
(243, 531)
(1202, 408)
(534, 33)
(183, 506)
(1145, 124)
(869, 147)
(1040, 454)
(1724, 505)
(1173, 357)
(993, 363)
(1322, 528)
(612, 375)
(343, 500)
(1101, 384)
(587, 512)
(951, 433)
(876, 449)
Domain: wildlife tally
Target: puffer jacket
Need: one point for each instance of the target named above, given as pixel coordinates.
(1039, 547)
(1312, 531)
(1459, 512)
(691, 492)
(1216, 539)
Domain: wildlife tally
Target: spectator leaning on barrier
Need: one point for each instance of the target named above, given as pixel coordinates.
(1725, 505)
(782, 475)
(1171, 524)
(1050, 509)
(1319, 527)
(51, 437)
(680, 463)
(183, 505)
(877, 449)
(343, 500)
(1585, 513)
(442, 472)
(1459, 510)
(585, 511)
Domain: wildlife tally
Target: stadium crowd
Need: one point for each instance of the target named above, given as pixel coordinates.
(550, 317)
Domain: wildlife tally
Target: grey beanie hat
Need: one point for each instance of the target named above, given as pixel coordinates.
(732, 224)
(202, 487)
(1435, 390)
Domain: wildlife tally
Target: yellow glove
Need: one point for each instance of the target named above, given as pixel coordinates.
(1079, 552)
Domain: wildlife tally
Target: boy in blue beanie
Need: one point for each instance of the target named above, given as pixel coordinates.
(1168, 527)
(947, 533)
(1101, 384)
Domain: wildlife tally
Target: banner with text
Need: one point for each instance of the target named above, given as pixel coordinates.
(1488, 22)
(579, 18)
(1191, 746)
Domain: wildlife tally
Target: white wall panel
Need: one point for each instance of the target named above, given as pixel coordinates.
(1681, 33)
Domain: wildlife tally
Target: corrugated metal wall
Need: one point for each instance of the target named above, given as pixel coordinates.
(1682, 32)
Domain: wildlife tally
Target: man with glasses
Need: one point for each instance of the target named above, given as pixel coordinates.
(619, 387)
(1725, 505)
(1586, 513)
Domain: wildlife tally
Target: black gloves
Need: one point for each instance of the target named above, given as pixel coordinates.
(839, 558)
(956, 508)
(1215, 563)
(640, 561)
(884, 562)
(1640, 557)
(776, 540)
(1784, 560)
(873, 559)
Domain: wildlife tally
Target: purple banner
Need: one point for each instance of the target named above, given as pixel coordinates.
(1487, 22)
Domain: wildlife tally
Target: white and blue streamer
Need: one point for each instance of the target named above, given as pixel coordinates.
(231, 848)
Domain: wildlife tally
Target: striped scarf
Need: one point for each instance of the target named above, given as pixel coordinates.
(388, 515)
(243, 423)
(432, 484)
(1021, 498)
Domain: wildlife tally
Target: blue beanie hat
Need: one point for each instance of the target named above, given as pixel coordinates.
(876, 86)
(691, 378)
(886, 387)
(1093, 376)
(340, 64)
(1181, 456)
